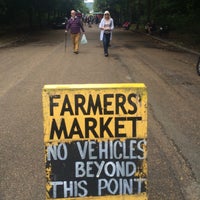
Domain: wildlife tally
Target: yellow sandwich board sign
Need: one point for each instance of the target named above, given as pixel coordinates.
(95, 138)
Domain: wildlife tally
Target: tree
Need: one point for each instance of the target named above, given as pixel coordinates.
(182, 15)
(35, 12)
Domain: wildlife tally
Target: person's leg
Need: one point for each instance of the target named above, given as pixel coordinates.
(108, 41)
(77, 39)
(105, 43)
(73, 40)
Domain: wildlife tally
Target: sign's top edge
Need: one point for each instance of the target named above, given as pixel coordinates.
(94, 86)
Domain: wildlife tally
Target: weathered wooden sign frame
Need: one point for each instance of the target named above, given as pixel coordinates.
(95, 138)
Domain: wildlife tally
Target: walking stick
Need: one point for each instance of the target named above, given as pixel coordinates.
(65, 41)
(198, 66)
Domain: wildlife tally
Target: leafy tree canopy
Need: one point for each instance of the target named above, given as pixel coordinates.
(180, 14)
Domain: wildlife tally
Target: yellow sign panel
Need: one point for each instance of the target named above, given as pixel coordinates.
(95, 141)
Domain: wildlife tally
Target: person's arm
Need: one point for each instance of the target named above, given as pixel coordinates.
(81, 25)
(67, 26)
(101, 25)
(112, 24)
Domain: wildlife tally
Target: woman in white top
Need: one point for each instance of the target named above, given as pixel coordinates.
(106, 25)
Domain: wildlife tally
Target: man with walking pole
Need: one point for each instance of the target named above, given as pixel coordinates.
(75, 26)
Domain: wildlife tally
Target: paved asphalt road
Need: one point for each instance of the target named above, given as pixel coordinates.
(173, 106)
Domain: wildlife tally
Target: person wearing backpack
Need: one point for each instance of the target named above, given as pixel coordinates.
(106, 26)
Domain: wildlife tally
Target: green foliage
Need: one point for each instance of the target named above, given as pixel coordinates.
(180, 15)
(35, 12)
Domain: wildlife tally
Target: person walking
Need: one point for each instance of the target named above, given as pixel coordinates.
(75, 26)
(106, 26)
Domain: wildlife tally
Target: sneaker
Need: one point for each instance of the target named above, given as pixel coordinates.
(76, 52)
(106, 54)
